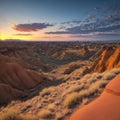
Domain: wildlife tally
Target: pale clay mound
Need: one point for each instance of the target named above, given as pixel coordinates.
(106, 107)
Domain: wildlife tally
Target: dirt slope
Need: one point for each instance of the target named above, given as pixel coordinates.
(106, 107)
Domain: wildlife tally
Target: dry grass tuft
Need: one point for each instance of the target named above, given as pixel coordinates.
(85, 101)
(74, 88)
(45, 115)
(108, 75)
(29, 117)
(11, 115)
(51, 107)
(46, 91)
(115, 70)
(92, 87)
(84, 93)
(71, 100)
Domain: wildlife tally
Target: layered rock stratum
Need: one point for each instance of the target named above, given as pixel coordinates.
(110, 58)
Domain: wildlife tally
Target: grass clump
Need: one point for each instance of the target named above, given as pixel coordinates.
(71, 100)
(46, 91)
(109, 75)
(85, 101)
(29, 117)
(83, 93)
(115, 70)
(11, 115)
(45, 115)
(74, 88)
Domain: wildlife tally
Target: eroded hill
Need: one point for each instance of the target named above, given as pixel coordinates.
(69, 76)
(17, 78)
(110, 58)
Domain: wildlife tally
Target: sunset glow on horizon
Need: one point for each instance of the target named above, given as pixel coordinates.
(60, 20)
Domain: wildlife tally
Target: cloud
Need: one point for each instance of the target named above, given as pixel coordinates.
(91, 16)
(58, 32)
(31, 27)
(72, 22)
(97, 8)
(103, 20)
(97, 36)
(66, 24)
(23, 34)
(86, 29)
(108, 35)
(106, 23)
(86, 21)
(79, 36)
(113, 18)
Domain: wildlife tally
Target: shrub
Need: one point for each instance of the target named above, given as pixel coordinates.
(45, 115)
(71, 100)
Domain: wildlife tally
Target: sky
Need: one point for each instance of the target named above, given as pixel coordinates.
(48, 20)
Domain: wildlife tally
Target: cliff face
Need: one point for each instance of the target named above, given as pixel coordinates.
(16, 78)
(114, 60)
(110, 58)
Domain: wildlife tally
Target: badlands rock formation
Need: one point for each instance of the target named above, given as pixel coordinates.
(110, 58)
(22, 77)
(16, 79)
